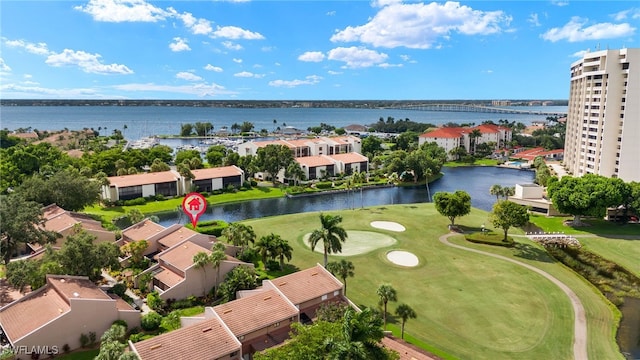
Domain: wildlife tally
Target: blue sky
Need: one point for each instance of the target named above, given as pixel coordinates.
(303, 50)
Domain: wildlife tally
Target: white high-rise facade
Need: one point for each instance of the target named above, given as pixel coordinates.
(603, 120)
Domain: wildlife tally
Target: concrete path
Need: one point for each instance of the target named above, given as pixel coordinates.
(580, 325)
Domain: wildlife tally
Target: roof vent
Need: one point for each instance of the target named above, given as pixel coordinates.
(314, 274)
(267, 298)
(156, 346)
(61, 280)
(207, 329)
(227, 311)
(282, 283)
(75, 294)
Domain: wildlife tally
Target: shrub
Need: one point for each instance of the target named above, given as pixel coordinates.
(92, 338)
(272, 265)
(84, 340)
(119, 289)
(249, 255)
(246, 184)
(151, 321)
(138, 201)
(66, 348)
(121, 323)
(154, 301)
(254, 183)
(324, 185)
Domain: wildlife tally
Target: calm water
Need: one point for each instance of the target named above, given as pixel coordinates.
(474, 180)
(154, 120)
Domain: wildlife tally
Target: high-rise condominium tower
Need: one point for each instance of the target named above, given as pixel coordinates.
(603, 120)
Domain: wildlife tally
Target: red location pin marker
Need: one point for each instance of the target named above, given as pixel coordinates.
(194, 205)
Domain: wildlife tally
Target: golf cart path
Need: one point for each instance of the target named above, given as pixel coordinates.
(580, 325)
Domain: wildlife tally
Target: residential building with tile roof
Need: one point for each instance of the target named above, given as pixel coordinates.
(127, 187)
(59, 312)
(450, 138)
(217, 178)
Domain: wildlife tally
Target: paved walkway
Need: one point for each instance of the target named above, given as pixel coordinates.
(558, 169)
(136, 299)
(580, 325)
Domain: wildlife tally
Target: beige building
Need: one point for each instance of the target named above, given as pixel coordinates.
(450, 138)
(57, 314)
(534, 197)
(598, 141)
(308, 147)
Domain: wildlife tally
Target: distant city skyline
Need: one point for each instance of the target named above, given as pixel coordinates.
(303, 50)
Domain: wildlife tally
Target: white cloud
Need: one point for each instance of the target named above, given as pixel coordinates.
(309, 80)
(237, 61)
(419, 25)
(196, 26)
(123, 11)
(331, 13)
(575, 31)
(231, 45)
(312, 56)
(387, 65)
(234, 32)
(201, 90)
(38, 49)
(247, 74)
(332, 72)
(89, 63)
(579, 54)
(4, 68)
(559, 2)
(533, 20)
(39, 92)
(210, 67)
(179, 44)
(357, 57)
(188, 76)
(633, 13)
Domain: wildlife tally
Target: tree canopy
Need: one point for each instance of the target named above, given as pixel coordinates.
(452, 205)
(331, 234)
(273, 158)
(506, 214)
(67, 188)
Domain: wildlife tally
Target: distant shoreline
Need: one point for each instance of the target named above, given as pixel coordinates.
(362, 104)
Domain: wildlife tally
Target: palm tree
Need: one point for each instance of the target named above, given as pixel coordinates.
(266, 246)
(281, 250)
(428, 173)
(294, 170)
(496, 190)
(331, 234)
(361, 335)
(201, 260)
(386, 293)
(405, 312)
(474, 135)
(216, 258)
(508, 191)
(239, 235)
(342, 269)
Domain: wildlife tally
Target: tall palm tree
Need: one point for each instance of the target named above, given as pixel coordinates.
(342, 269)
(216, 258)
(405, 312)
(239, 235)
(295, 171)
(361, 335)
(496, 190)
(266, 247)
(331, 234)
(474, 135)
(201, 260)
(508, 191)
(386, 293)
(281, 250)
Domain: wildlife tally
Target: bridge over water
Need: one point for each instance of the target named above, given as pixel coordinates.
(475, 108)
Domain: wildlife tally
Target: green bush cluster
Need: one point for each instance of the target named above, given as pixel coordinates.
(211, 227)
(151, 321)
(489, 238)
(324, 185)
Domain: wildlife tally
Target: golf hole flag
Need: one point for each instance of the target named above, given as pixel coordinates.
(194, 205)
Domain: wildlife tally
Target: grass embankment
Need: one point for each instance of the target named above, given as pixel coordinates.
(468, 305)
(615, 242)
(476, 162)
(152, 207)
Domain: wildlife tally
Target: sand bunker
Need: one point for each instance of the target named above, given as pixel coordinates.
(403, 258)
(388, 225)
(358, 242)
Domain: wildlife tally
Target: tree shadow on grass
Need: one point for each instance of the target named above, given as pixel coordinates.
(527, 251)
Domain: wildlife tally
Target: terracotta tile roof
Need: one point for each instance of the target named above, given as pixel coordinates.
(217, 172)
(168, 277)
(181, 256)
(209, 339)
(143, 230)
(349, 158)
(488, 128)
(314, 161)
(143, 179)
(178, 235)
(406, 350)
(307, 284)
(255, 312)
(445, 132)
(60, 223)
(51, 211)
(45, 304)
(299, 142)
(31, 312)
(76, 287)
(121, 304)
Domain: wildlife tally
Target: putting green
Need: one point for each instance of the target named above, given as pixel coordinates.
(358, 242)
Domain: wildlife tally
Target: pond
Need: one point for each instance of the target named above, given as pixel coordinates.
(474, 180)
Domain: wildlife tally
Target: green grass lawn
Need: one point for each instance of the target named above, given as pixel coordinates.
(594, 227)
(468, 305)
(80, 355)
(476, 162)
(152, 207)
(3, 271)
